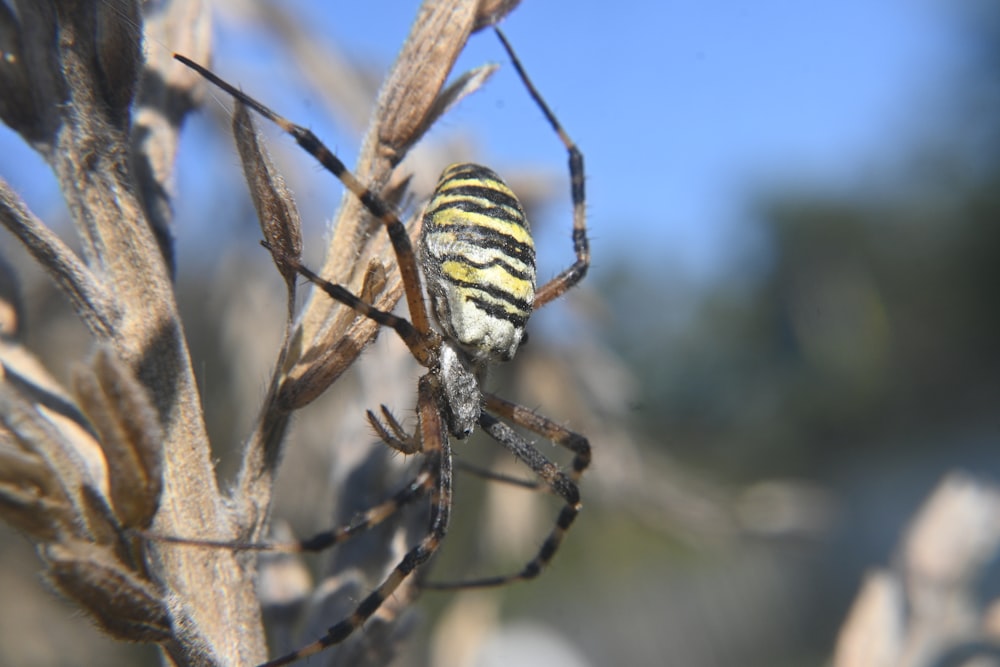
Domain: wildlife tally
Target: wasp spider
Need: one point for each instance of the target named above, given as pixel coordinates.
(477, 257)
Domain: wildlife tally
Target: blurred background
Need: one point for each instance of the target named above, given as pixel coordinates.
(787, 339)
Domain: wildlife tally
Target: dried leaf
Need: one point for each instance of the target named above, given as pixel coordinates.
(126, 422)
(102, 525)
(43, 518)
(423, 65)
(491, 12)
(88, 296)
(31, 496)
(122, 604)
(24, 468)
(276, 211)
(37, 435)
(468, 83)
(374, 281)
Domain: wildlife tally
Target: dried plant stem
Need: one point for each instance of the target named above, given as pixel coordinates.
(84, 472)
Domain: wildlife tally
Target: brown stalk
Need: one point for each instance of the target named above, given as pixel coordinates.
(126, 449)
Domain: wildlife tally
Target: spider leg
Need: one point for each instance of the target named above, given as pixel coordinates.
(559, 483)
(489, 475)
(438, 466)
(371, 517)
(420, 344)
(392, 433)
(375, 205)
(545, 427)
(575, 272)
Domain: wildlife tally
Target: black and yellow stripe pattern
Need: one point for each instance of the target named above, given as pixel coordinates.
(478, 258)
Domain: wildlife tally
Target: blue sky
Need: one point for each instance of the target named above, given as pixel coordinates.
(683, 109)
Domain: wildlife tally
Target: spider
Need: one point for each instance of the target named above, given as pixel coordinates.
(477, 258)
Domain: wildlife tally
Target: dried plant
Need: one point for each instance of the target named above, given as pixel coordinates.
(928, 609)
(125, 448)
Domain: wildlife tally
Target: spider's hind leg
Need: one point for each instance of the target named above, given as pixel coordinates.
(551, 477)
(545, 427)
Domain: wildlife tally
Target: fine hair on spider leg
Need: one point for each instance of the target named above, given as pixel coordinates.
(477, 256)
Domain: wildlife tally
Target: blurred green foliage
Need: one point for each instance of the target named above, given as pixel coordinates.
(869, 315)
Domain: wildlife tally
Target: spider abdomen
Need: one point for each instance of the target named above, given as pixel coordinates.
(478, 258)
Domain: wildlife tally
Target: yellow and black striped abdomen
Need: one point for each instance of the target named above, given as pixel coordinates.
(478, 258)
